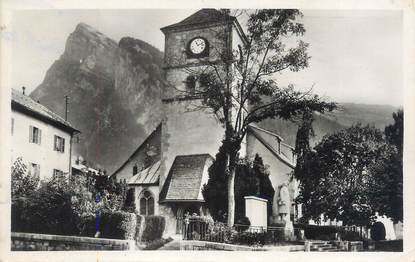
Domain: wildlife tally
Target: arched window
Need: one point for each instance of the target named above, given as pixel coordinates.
(190, 84)
(146, 204)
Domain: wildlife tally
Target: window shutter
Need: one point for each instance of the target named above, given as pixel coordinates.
(39, 136)
(63, 145)
(55, 143)
(30, 134)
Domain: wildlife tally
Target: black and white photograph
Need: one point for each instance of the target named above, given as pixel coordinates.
(205, 129)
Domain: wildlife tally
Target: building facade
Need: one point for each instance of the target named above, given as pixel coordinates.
(41, 138)
(187, 139)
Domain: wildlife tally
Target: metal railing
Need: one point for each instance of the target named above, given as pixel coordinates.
(199, 229)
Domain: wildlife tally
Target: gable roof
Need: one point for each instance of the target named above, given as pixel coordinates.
(144, 143)
(147, 176)
(184, 181)
(203, 16)
(263, 136)
(27, 105)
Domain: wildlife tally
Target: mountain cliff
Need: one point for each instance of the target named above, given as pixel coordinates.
(114, 93)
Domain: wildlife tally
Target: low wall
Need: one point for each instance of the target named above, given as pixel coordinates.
(41, 242)
(204, 245)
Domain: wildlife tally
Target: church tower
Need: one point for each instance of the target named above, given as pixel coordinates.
(192, 45)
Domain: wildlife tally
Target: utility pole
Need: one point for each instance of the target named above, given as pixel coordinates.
(66, 108)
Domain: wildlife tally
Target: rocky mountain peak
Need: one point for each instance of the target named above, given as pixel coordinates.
(114, 93)
(94, 51)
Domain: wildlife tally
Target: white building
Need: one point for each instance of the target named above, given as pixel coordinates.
(40, 137)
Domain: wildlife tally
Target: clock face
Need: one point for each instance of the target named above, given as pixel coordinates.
(197, 46)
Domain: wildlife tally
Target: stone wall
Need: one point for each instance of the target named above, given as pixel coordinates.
(41, 242)
(204, 245)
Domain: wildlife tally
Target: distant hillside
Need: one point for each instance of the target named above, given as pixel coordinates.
(346, 115)
(114, 93)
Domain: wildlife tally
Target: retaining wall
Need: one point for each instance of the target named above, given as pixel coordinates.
(42, 242)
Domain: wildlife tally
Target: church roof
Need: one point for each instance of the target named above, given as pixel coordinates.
(143, 144)
(25, 104)
(203, 16)
(185, 178)
(149, 175)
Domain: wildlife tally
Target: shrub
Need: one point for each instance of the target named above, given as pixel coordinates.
(350, 236)
(318, 232)
(242, 224)
(153, 228)
(118, 225)
(377, 231)
(249, 238)
(90, 226)
(275, 236)
(140, 219)
(48, 210)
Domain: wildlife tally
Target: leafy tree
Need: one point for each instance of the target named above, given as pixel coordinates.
(23, 184)
(252, 179)
(242, 88)
(22, 181)
(394, 132)
(336, 179)
(387, 184)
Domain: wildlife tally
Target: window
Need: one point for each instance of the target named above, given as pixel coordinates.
(135, 169)
(204, 80)
(57, 173)
(12, 125)
(35, 135)
(190, 84)
(146, 204)
(34, 169)
(59, 144)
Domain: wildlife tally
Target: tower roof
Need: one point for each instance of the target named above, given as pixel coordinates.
(203, 16)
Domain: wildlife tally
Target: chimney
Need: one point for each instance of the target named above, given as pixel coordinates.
(23, 90)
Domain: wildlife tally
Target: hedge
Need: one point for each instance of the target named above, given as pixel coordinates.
(242, 223)
(153, 228)
(118, 225)
(327, 232)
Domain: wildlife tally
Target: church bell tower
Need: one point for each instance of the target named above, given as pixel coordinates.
(192, 46)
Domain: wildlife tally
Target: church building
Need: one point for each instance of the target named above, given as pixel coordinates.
(169, 169)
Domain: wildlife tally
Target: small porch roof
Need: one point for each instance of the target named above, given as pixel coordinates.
(185, 179)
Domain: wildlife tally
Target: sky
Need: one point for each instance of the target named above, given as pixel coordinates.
(356, 56)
